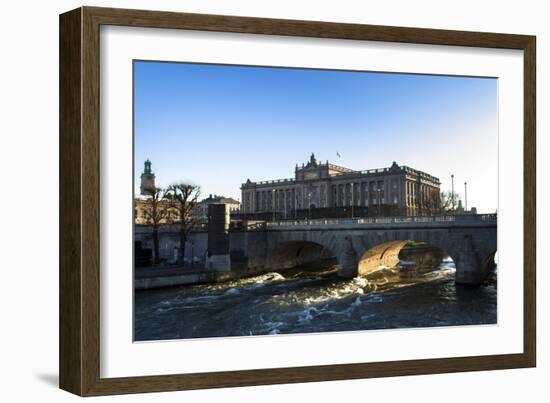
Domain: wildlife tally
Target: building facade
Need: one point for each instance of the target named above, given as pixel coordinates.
(202, 210)
(325, 189)
(142, 208)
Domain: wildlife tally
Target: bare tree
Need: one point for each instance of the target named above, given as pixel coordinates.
(155, 210)
(430, 204)
(184, 199)
(441, 204)
(449, 201)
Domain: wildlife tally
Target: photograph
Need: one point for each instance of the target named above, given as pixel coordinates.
(276, 200)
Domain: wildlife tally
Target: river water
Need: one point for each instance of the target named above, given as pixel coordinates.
(305, 301)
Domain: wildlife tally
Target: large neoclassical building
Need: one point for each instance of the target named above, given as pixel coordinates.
(324, 189)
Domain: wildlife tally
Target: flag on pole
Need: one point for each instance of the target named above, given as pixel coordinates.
(338, 154)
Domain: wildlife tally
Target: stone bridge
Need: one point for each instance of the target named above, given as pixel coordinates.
(359, 246)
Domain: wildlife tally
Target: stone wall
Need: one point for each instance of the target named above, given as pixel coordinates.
(197, 242)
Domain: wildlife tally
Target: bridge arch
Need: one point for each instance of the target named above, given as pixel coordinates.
(489, 264)
(390, 253)
(295, 253)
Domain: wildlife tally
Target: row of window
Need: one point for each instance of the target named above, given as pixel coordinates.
(345, 194)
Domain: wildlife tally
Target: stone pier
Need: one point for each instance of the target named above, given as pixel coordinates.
(218, 257)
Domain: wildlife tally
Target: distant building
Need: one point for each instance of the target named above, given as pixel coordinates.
(202, 210)
(460, 209)
(147, 188)
(141, 206)
(325, 190)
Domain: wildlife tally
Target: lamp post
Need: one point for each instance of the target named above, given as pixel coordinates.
(295, 204)
(378, 190)
(466, 196)
(352, 200)
(273, 207)
(309, 205)
(192, 253)
(284, 201)
(453, 192)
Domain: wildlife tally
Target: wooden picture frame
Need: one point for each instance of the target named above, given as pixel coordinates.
(79, 201)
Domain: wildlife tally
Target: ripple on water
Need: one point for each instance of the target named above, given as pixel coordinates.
(271, 304)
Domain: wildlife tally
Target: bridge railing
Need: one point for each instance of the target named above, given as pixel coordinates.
(462, 219)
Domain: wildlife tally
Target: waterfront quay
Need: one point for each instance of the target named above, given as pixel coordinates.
(173, 276)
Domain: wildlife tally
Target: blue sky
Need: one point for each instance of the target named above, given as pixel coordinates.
(217, 125)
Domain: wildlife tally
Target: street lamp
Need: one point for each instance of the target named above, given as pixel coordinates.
(453, 191)
(192, 253)
(273, 206)
(295, 205)
(284, 200)
(466, 196)
(352, 200)
(309, 205)
(378, 201)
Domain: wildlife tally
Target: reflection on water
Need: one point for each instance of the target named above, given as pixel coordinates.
(302, 301)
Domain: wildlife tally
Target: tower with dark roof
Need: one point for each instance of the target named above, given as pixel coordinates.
(147, 180)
